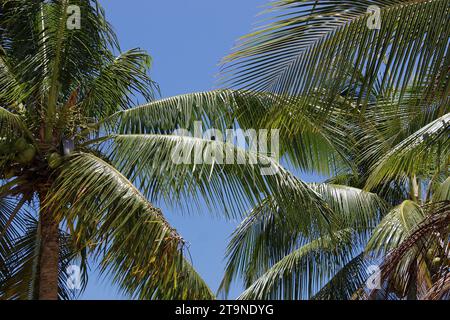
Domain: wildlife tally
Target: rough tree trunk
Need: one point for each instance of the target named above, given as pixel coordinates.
(49, 255)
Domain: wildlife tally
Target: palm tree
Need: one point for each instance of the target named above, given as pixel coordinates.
(369, 108)
(81, 166)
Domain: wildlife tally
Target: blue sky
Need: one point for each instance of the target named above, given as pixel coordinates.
(187, 39)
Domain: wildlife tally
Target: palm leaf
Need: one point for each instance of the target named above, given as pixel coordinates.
(152, 162)
(346, 283)
(320, 259)
(395, 227)
(409, 157)
(308, 45)
(132, 238)
(269, 233)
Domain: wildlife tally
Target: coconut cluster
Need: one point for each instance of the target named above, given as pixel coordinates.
(16, 152)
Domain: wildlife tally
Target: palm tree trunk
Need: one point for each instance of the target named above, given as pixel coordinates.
(412, 290)
(49, 255)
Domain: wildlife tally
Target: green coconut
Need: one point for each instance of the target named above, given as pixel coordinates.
(27, 155)
(54, 160)
(20, 145)
(436, 261)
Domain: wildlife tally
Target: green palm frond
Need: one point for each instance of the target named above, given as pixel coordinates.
(37, 41)
(11, 89)
(395, 227)
(179, 168)
(22, 260)
(216, 109)
(184, 284)
(10, 229)
(120, 77)
(21, 282)
(187, 286)
(269, 233)
(411, 252)
(308, 45)
(11, 124)
(346, 283)
(319, 260)
(442, 193)
(412, 155)
(132, 239)
(359, 209)
(171, 113)
(311, 139)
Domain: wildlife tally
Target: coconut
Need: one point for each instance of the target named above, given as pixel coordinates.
(20, 145)
(27, 155)
(54, 160)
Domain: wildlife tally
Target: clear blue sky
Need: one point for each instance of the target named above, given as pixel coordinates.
(187, 39)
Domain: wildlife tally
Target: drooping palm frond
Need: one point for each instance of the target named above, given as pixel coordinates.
(395, 227)
(346, 283)
(10, 229)
(180, 168)
(308, 45)
(319, 259)
(412, 155)
(402, 263)
(132, 239)
(269, 233)
(21, 282)
(184, 284)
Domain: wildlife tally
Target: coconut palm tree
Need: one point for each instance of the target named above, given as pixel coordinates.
(81, 165)
(369, 108)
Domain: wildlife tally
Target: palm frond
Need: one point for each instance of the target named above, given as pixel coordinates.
(217, 109)
(269, 233)
(11, 124)
(229, 178)
(346, 283)
(308, 45)
(409, 157)
(410, 251)
(10, 229)
(117, 80)
(21, 282)
(395, 227)
(132, 238)
(319, 259)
